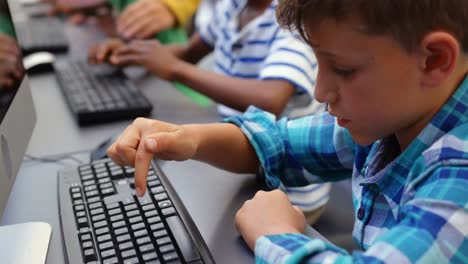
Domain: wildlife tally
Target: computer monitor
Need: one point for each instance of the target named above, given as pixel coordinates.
(17, 116)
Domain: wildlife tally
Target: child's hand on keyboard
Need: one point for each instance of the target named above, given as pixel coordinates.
(146, 138)
(104, 51)
(159, 59)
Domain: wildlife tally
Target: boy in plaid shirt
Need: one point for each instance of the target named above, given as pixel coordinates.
(397, 125)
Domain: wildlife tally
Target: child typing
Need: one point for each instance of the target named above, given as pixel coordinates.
(396, 125)
(256, 62)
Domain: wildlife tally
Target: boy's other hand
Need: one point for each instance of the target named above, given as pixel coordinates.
(155, 57)
(268, 213)
(102, 52)
(145, 18)
(10, 61)
(147, 138)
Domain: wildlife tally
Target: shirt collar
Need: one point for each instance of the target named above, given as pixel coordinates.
(390, 181)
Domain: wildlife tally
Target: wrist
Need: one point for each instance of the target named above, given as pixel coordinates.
(195, 134)
(179, 71)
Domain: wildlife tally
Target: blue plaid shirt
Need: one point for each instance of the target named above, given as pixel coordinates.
(409, 207)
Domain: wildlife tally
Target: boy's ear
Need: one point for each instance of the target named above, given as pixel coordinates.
(441, 52)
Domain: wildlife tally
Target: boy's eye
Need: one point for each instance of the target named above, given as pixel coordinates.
(344, 72)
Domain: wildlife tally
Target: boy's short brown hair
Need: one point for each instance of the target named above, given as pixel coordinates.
(407, 21)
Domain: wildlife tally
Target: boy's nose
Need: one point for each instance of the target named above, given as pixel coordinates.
(325, 90)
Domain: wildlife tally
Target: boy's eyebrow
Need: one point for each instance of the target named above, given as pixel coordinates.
(317, 50)
(313, 45)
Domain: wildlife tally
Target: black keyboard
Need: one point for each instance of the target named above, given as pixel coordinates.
(99, 97)
(42, 34)
(103, 221)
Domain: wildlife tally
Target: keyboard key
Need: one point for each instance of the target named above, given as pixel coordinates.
(136, 227)
(82, 222)
(157, 226)
(140, 233)
(154, 219)
(164, 204)
(150, 256)
(106, 245)
(146, 248)
(103, 238)
(96, 211)
(168, 211)
(113, 260)
(128, 253)
(160, 233)
(160, 196)
(167, 248)
(170, 257)
(116, 218)
(130, 207)
(121, 231)
(87, 244)
(126, 245)
(89, 255)
(135, 220)
(98, 218)
(102, 231)
(123, 238)
(108, 253)
(163, 241)
(131, 261)
(143, 240)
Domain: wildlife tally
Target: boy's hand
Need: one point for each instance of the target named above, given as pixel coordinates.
(155, 57)
(145, 18)
(10, 61)
(147, 138)
(102, 52)
(268, 213)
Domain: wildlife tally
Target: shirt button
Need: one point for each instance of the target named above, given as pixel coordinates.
(360, 213)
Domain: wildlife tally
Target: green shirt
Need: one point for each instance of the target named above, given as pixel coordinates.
(6, 26)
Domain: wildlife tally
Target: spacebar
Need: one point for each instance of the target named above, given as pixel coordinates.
(183, 239)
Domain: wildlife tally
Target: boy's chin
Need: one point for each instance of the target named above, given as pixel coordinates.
(363, 140)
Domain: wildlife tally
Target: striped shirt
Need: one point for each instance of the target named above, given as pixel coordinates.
(411, 209)
(262, 50)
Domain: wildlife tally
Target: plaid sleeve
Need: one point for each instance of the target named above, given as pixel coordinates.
(431, 228)
(296, 152)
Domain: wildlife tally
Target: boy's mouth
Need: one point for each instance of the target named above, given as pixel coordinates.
(342, 122)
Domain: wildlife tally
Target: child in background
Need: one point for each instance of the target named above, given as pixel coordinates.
(141, 19)
(397, 126)
(256, 63)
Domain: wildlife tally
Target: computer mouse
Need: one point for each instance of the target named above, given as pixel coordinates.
(39, 62)
(100, 151)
